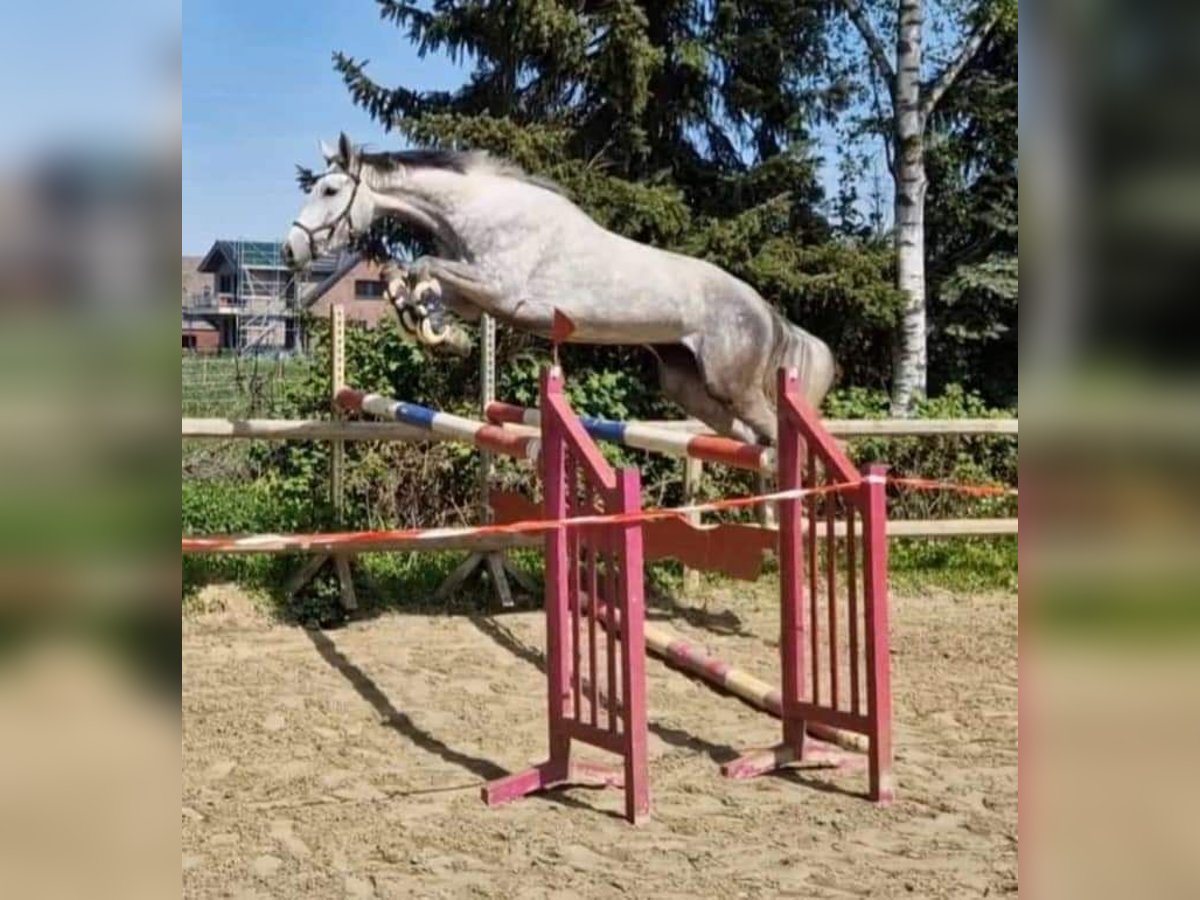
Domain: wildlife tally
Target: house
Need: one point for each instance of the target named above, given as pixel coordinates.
(200, 335)
(85, 228)
(240, 296)
(195, 282)
(359, 290)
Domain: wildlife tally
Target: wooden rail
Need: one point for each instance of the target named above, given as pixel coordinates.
(853, 428)
(332, 430)
(368, 542)
(301, 430)
(325, 430)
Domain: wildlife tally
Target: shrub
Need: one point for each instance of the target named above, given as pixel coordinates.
(283, 487)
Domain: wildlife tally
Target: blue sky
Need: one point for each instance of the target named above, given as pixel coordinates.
(81, 74)
(259, 91)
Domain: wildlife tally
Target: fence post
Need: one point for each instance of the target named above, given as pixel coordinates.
(337, 380)
(768, 516)
(495, 563)
(693, 473)
(337, 456)
(487, 395)
(879, 666)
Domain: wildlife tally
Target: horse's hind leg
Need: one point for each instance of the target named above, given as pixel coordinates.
(756, 409)
(738, 376)
(681, 381)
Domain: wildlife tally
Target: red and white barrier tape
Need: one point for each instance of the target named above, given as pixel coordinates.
(534, 526)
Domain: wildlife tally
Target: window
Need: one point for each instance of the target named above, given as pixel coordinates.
(225, 284)
(368, 290)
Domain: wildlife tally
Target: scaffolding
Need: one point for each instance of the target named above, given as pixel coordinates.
(264, 291)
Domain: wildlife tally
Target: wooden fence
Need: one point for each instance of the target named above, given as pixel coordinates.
(334, 430)
(337, 431)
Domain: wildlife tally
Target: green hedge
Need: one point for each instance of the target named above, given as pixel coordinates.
(283, 487)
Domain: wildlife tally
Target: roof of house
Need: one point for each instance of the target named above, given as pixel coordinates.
(256, 255)
(194, 281)
(323, 280)
(195, 323)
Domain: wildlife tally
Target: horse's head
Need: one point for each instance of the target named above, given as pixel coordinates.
(339, 207)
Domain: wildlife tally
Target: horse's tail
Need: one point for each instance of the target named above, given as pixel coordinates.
(810, 356)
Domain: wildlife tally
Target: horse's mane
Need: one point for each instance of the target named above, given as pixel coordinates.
(464, 162)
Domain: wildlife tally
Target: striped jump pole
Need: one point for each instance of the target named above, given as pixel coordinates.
(696, 661)
(715, 673)
(655, 438)
(441, 425)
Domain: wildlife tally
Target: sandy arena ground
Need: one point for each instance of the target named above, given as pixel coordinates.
(348, 763)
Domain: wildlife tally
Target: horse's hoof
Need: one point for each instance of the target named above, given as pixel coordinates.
(427, 287)
(397, 291)
(409, 320)
(431, 334)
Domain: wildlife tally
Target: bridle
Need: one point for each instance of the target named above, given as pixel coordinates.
(331, 226)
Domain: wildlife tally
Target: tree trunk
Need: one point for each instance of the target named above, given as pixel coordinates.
(909, 363)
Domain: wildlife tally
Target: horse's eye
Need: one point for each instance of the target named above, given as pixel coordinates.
(329, 191)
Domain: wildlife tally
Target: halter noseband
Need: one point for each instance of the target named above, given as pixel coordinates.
(345, 215)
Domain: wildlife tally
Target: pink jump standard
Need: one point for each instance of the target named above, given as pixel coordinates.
(813, 684)
(596, 672)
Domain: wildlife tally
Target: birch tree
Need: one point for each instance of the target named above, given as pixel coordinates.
(909, 85)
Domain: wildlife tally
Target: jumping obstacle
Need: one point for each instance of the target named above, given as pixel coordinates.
(595, 673)
(654, 438)
(515, 508)
(815, 666)
(596, 634)
(818, 538)
(606, 707)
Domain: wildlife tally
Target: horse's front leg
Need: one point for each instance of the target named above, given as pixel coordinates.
(421, 308)
(472, 286)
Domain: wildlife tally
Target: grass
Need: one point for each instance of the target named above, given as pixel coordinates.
(406, 581)
(236, 386)
(222, 492)
(959, 565)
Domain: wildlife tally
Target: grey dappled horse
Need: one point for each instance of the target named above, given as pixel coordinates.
(513, 246)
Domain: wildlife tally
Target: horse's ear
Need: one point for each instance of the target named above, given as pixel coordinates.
(346, 153)
(328, 153)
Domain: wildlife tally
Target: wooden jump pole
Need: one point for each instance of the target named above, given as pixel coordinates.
(708, 448)
(442, 426)
(694, 660)
(299, 430)
(490, 439)
(353, 542)
(856, 428)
